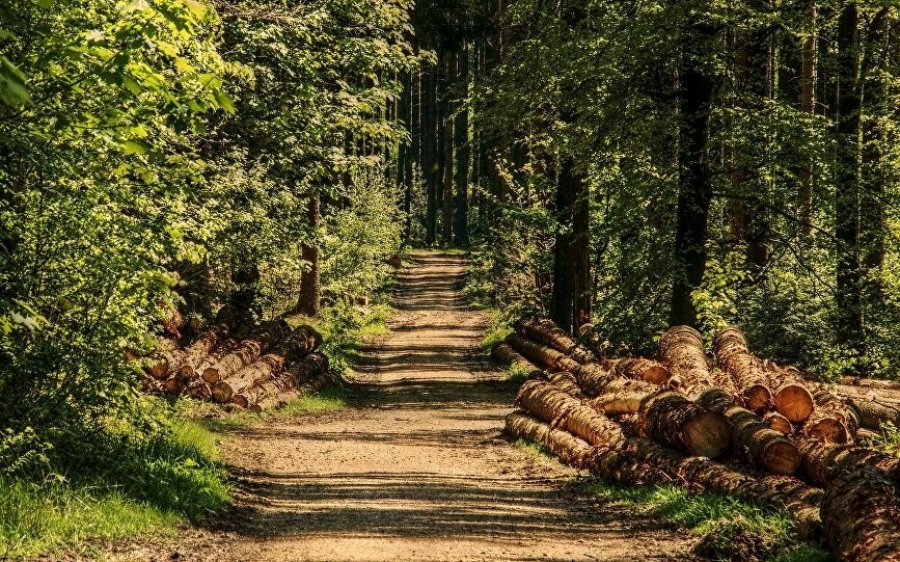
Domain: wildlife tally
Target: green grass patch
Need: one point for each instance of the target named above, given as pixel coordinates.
(534, 449)
(517, 374)
(496, 332)
(123, 481)
(723, 522)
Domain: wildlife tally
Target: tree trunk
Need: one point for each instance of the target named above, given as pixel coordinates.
(430, 133)
(448, 105)
(673, 420)
(463, 151)
(848, 295)
(808, 78)
(310, 302)
(570, 261)
(694, 179)
(504, 354)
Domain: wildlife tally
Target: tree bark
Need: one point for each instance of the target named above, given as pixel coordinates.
(694, 177)
(463, 151)
(808, 79)
(733, 355)
(310, 302)
(848, 295)
(571, 262)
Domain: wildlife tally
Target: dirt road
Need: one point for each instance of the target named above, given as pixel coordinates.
(416, 469)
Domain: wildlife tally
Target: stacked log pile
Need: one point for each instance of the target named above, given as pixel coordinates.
(259, 370)
(727, 422)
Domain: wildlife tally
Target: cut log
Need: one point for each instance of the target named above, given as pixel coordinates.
(198, 389)
(681, 349)
(547, 333)
(176, 384)
(779, 423)
(861, 511)
(566, 382)
(793, 398)
(826, 428)
(250, 349)
(504, 354)
(560, 409)
(646, 462)
(734, 357)
(540, 355)
(675, 421)
(294, 377)
(757, 442)
(639, 368)
(623, 396)
(822, 462)
(263, 369)
(873, 414)
(876, 384)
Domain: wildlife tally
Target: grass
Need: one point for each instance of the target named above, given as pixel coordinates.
(496, 332)
(724, 523)
(113, 484)
(728, 529)
(214, 419)
(516, 374)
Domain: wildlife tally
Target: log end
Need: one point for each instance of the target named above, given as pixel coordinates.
(779, 423)
(210, 375)
(827, 430)
(657, 374)
(795, 402)
(757, 397)
(222, 392)
(781, 457)
(241, 401)
(707, 435)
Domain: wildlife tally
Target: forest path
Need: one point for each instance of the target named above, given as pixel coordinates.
(416, 468)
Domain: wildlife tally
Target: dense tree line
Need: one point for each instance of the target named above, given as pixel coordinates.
(638, 164)
(164, 158)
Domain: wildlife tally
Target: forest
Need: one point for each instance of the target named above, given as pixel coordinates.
(202, 192)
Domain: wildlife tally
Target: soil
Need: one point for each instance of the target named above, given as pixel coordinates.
(416, 468)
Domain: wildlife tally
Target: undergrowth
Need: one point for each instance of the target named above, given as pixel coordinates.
(122, 481)
(730, 529)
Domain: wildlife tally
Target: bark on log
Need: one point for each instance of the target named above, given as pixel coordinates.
(779, 423)
(547, 333)
(675, 421)
(566, 382)
(297, 376)
(754, 439)
(861, 511)
(560, 409)
(639, 368)
(162, 365)
(734, 357)
(823, 462)
(623, 396)
(876, 384)
(681, 348)
(504, 354)
(643, 461)
(540, 355)
(250, 349)
(872, 414)
(263, 369)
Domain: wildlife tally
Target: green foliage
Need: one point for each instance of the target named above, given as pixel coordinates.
(344, 327)
(132, 478)
(720, 519)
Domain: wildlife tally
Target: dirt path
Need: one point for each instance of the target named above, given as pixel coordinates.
(416, 469)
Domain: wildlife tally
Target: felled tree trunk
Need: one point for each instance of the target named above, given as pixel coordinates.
(639, 368)
(566, 382)
(248, 351)
(623, 396)
(760, 444)
(872, 414)
(735, 358)
(793, 399)
(504, 354)
(263, 369)
(675, 421)
(643, 461)
(162, 366)
(547, 402)
(861, 511)
(681, 349)
(875, 384)
(826, 428)
(541, 355)
(546, 332)
(823, 462)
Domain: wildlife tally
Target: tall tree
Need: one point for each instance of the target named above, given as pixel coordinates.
(463, 151)
(695, 91)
